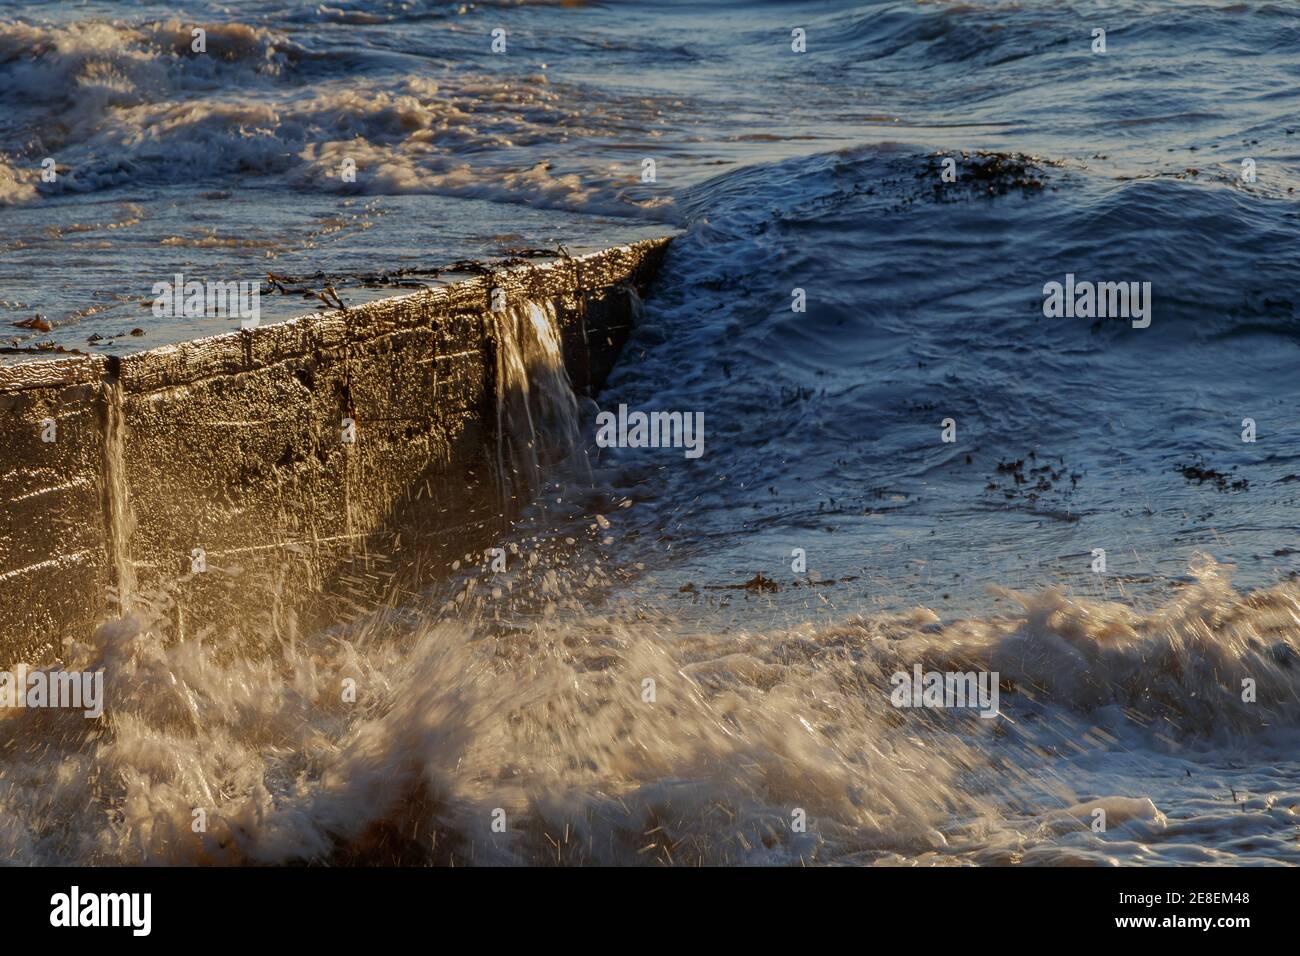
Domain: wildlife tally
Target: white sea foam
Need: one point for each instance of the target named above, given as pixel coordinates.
(17, 185)
(128, 104)
(545, 718)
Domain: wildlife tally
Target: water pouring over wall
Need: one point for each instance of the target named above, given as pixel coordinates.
(214, 479)
(537, 411)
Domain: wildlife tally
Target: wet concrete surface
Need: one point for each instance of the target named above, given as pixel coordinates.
(211, 481)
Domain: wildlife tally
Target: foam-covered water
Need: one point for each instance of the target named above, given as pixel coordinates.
(523, 690)
(545, 718)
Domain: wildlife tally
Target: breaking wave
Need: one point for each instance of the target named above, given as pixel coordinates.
(523, 705)
(121, 104)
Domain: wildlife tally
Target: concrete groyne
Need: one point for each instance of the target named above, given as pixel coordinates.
(213, 480)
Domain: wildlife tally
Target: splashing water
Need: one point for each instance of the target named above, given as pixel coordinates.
(622, 738)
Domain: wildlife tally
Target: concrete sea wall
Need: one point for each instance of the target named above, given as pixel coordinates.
(210, 483)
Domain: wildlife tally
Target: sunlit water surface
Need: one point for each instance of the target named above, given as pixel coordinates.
(823, 469)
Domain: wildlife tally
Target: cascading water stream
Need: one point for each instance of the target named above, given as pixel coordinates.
(118, 514)
(537, 413)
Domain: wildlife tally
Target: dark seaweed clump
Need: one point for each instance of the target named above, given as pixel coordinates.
(986, 174)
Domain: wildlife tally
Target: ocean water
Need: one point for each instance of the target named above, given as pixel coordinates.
(827, 538)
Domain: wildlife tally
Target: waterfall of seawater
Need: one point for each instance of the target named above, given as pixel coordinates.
(119, 515)
(537, 413)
